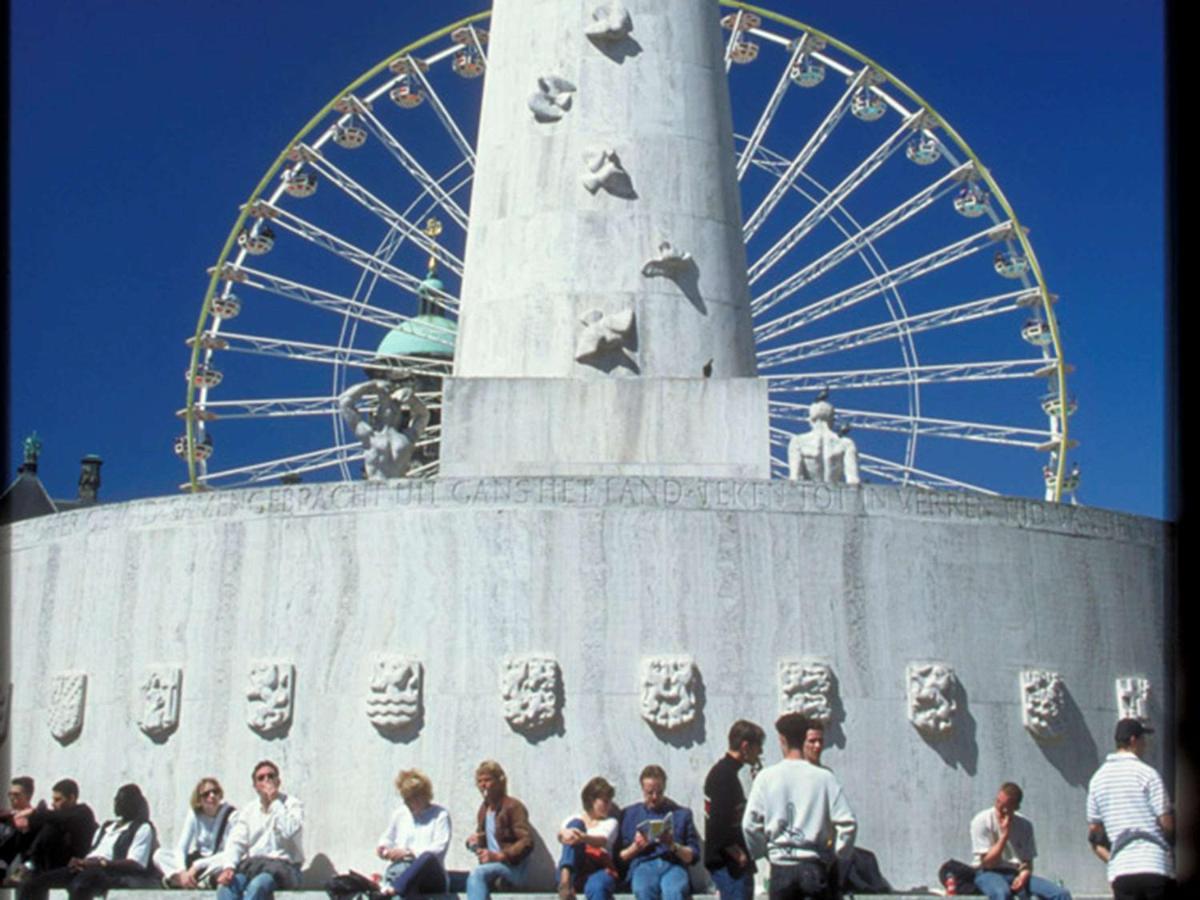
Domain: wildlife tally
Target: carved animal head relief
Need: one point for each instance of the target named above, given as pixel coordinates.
(669, 685)
(806, 686)
(160, 690)
(270, 693)
(602, 333)
(531, 691)
(552, 100)
(1043, 703)
(68, 694)
(1133, 698)
(394, 695)
(603, 169)
(933, 692)
(611, 22)
(667, 263)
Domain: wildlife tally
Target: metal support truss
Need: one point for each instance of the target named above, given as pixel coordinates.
(881, 226)
(902, 376)
(303, 351)
(834, 198)
(334, 303)
(802, 159)
(882, 331)
(444, 114)
(356, 255)
(410, 165)
(390, 217)
(1007, 435)
(768, 113)
(892, 278)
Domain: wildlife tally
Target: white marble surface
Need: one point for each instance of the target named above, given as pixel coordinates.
(599, 573)
(542, 250)
(715, 427)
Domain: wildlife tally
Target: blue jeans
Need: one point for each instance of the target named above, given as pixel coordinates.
(995, 883)
(597, 884)
(659, 879)
(733, 887)
(260, 887)
(422, 875)
(481, 877)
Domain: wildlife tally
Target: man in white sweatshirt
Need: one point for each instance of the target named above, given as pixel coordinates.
(798, 818)
(264, 851)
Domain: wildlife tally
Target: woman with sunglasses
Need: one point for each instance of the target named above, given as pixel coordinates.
(197, 854)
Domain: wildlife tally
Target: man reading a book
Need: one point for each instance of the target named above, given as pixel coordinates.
(658, 841)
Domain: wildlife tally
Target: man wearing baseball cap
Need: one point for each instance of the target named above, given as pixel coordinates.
(1131, 824)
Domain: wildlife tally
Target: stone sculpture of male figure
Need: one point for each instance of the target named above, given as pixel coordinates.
(389, 446)
(822, 454)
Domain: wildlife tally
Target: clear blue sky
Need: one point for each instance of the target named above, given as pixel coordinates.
(138, 128)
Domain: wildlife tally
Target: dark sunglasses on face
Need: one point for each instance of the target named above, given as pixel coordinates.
(266, 776)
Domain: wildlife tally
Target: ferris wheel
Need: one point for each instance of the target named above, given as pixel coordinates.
(887, 272)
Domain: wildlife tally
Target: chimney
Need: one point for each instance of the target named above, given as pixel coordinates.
(89, 478)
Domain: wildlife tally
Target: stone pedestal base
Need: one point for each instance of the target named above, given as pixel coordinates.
(703, 427)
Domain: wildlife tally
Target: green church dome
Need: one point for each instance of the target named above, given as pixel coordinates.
(425, 335)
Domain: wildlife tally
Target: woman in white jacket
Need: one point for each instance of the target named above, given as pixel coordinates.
(197, 854)
(416, 840)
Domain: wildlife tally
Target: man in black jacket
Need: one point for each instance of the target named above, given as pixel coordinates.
(725, 854)
(20, 800)
(52, 837)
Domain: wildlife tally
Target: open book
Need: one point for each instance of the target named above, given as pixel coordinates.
(654, 828)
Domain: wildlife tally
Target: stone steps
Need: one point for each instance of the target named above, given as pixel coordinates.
(314, 893)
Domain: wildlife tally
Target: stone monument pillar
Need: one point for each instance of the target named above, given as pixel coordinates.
(605, 323)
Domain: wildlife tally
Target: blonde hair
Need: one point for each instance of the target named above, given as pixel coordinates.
(200, 788)
(493, 769)
(414, 784)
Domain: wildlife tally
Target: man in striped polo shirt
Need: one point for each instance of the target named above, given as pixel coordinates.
(1131, 825)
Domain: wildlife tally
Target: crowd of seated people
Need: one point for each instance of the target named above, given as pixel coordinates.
(793, 816)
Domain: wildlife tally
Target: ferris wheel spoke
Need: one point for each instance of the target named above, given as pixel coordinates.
(911, 475)
(855, 243)
(335, 303)
(902, 376)
(768, 113)
(284, 407)
(414, 168)
(834, 198)
(443, 114)
(303, 351)
(1008, 435)
(802, 159)
(425, 470)
(356, 255)
(906, 325)
(883, 281)
(390, 217)
(256, 473)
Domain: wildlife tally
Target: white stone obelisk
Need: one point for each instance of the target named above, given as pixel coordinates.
(605, 322)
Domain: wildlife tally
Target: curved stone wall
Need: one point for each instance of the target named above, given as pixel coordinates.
(575, 626)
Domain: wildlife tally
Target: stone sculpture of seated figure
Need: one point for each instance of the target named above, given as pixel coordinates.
(822, 454)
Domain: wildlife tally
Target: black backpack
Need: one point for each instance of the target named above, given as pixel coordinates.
(964, 876)
(351, 886)
(859, 874)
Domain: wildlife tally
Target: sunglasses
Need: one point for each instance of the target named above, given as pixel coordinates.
(211, 792)
(267, 776)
